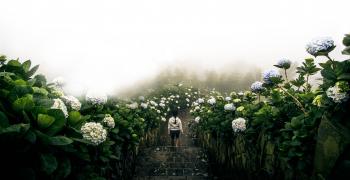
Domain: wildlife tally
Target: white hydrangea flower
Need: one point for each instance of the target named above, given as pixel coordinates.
(229, 107)
(188, 100)
(239, 125)
(269, 74)
(195, 104)
(177, 96)
(141, 98)
(144, 105)
(200, 100)
(212, 101)
(197, 108)
(158, 111)
(133, 105)
(240, 93)
(240, 108)
(57, 91)
(59, 104)
(336, 95)
(176, 102)
(197, 119)
(284, 63)
(96, 98)
(72, 102)
(163, 119)
(320, 45)
(257, 86)
(237, 100)
(94, 133)
(108, 120)
(228, 98)
(161, 104)
(154, 103)
(59, 82)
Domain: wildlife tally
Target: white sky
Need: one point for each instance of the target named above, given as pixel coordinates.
(108, 45)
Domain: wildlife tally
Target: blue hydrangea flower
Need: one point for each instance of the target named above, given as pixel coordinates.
(320, 46)
(269, 75)
(257, 86)
(283, 63)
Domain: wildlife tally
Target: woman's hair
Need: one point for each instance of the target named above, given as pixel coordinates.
(174, 113)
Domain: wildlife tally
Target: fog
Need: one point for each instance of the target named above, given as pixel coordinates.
(114, 45)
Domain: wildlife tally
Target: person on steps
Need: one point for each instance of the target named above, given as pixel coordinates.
(174, 128)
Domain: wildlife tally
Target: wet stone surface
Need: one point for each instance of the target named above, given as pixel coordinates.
(187, 162)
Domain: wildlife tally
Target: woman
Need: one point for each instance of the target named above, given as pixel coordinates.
(174, 128)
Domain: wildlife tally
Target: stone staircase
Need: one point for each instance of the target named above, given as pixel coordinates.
(186, 162)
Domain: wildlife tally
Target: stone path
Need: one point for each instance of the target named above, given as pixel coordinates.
(187, 162)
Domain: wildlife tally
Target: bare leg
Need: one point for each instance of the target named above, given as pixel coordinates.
(177, 142)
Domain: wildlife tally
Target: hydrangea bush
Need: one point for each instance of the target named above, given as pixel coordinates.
(289, 114)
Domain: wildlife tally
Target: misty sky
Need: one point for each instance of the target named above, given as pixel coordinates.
(109, 45)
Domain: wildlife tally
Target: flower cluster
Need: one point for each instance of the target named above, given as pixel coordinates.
(141, 98)
(257, 87)
(197, 119)
(239, 125)
(144, 105)
(228, 98)
(94, 133)
(56, 91)
(72, 102)
(163, 119)
(269, 75)
(95, 98)
(59, 104)
(284, 63)
(108, 120)
(200, 100)
(320, 46)
(212, 101)
(337, 94)
(133, 105)
(229, 107)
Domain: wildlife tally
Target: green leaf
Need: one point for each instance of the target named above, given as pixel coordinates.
(295, 122)
(344, 76)
(328, 74)
(4, 122)
(48, 163)
(26, 65)
(32, 71)
(64, 168)
(74, 118)
(16, 128)
(21, 90)
(44, 121)
(23, 103)
(14, 63)
(60, 141)
(346, 40)
(60, 121)
(346, 51)
(30, 136)
(40, 91)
